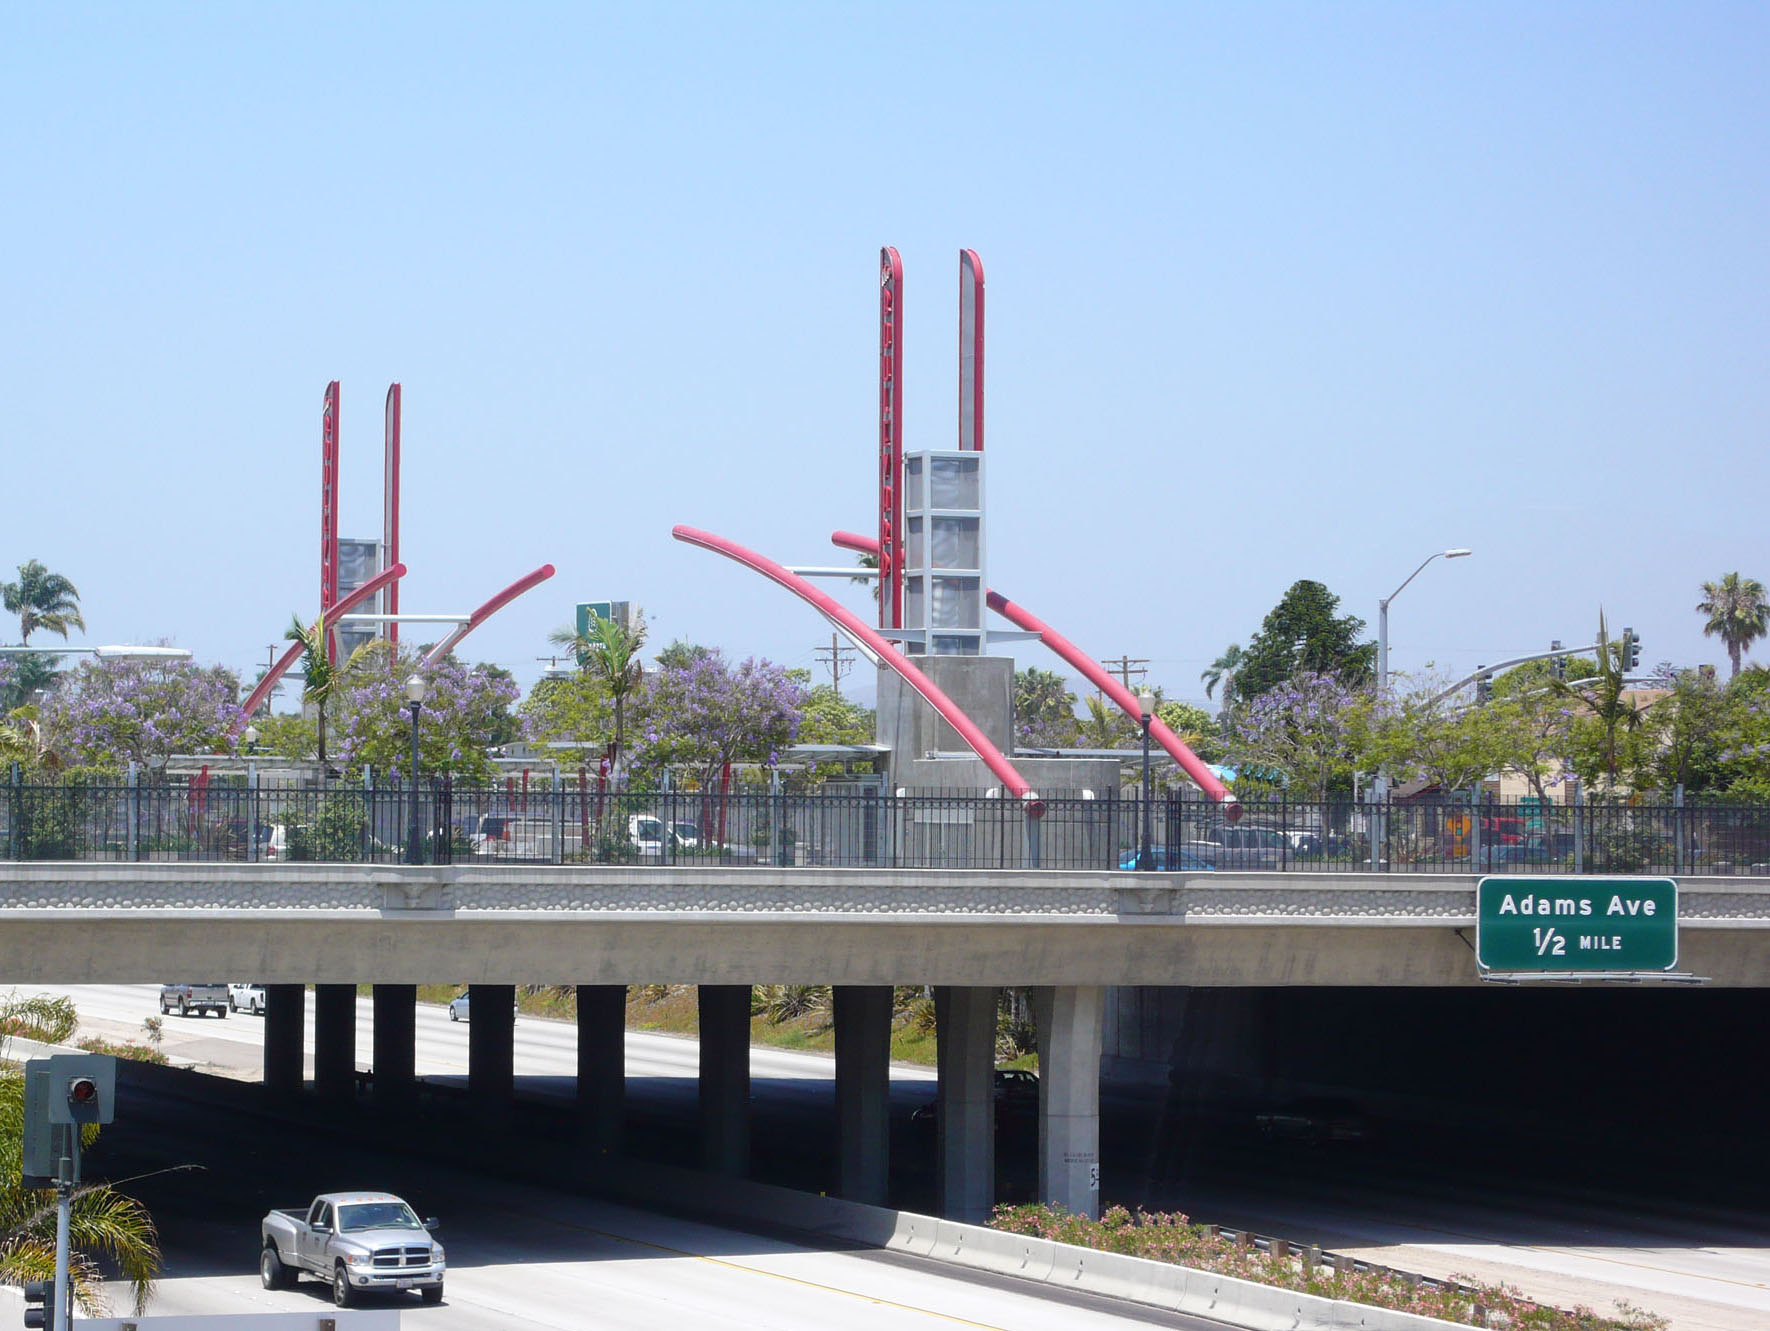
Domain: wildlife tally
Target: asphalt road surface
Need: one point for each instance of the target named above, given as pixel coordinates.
(1705, 1267)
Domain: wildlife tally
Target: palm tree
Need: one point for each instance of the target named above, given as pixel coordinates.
(1222, 671)
(610, 652)
(101, 1221)
(1737, 609)
(42, 600)
(320, 675)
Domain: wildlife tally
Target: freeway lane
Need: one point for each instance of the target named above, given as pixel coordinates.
(1708, 1270)
(523, 1256)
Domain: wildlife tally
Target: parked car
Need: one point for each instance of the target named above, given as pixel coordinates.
(360, 1242)
(1316, 1120)
(186, 999)
(1166, 857)
(1241, 846)
(246, 998)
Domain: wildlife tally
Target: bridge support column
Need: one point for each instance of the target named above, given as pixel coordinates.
(602, 1064)
(863, 1090)
(965, 1025)
(395, 1038)
(1070, 1019)
(285, 1023)
(491, 1046)
(334, 1039)
(725, 1078)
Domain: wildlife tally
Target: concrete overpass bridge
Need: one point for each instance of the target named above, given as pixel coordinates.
(1066, 934)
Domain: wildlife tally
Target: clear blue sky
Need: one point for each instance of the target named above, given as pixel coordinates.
(1275, 292)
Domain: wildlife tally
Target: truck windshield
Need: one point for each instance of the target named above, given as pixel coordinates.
(376, 1215)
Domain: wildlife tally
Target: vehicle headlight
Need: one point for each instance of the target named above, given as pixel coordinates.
(355, 1258)
(436, 1253)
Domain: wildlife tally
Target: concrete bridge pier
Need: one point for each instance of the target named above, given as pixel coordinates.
(285, 1023)
(965, 1026)
(863, 1090)
(395, 1061)
(491, 1047)
(1070, 1020)
(334, 1040)
(602, 1064)
(725, 1078)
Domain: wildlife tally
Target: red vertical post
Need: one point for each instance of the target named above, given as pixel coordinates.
(329, 512)
(890, 439)
(970, 351)
(390, 507)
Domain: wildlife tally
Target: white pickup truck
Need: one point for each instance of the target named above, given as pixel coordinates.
(357, 1241)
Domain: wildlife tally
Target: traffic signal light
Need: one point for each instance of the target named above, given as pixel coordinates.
(40, 1304)
(1557, 664)
(1632, 649)
(82, 1088)
(1484, 689)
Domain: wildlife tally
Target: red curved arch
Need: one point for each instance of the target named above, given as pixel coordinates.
(992, 757)
(288, 658)
(485, 612)
(1159, 730)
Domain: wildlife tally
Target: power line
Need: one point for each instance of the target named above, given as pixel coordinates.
(834, 659)
(1126, 666)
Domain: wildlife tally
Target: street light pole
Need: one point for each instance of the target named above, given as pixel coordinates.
(1146, 709)
(1380, 787)
(251, 738)
(415, 691)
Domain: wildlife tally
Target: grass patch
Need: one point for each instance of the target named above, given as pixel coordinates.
(1173, 1238)
(141, 1053)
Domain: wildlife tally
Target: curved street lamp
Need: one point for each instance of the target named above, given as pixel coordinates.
(416, 689)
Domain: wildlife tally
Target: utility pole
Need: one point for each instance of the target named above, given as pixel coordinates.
(840, 660)
(1126, 666)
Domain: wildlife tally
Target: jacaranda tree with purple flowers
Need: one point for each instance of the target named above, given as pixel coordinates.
(466, 710)
(109, 713)
(702, 712)
(1305, 727)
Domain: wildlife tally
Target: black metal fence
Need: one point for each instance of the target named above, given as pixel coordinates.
(488, 826)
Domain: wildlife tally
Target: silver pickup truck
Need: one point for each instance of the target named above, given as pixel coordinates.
(358, 1241)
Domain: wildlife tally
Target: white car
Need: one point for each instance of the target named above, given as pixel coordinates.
(458, 1007)
(246, 998)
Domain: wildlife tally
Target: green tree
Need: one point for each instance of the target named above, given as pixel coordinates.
(319, 675)
(286, 735)
(609, 652)
(105, 1227)
(1223, 671)
(569, 709)
(1104, 726)
(22, 678)
(1196, 727)
(1735, 608)
(1688, 728)
(111, 712)
(829, 718)
(1044, 710)
(42, 600)
(1302, 633)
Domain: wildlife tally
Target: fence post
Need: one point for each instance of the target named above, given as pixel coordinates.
(1475, 794)
(251, 811)
(1579, 829)
(1033, 826)
(558, 819)
(133, 835)
(13, 799)
(367, 835)
(1678, 828)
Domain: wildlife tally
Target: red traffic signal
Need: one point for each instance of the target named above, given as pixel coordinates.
(82, 1091)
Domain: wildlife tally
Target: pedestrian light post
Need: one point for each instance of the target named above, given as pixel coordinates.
(1146, 710)
(250, 735)
(416, 688)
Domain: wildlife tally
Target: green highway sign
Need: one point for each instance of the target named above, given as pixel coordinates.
(1570, 924)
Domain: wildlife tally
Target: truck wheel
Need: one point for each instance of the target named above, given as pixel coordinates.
(340, 1286)
(271, 1271)
(231, 1005)
(432, 1295)
(221, 1012)
(184, 1008)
